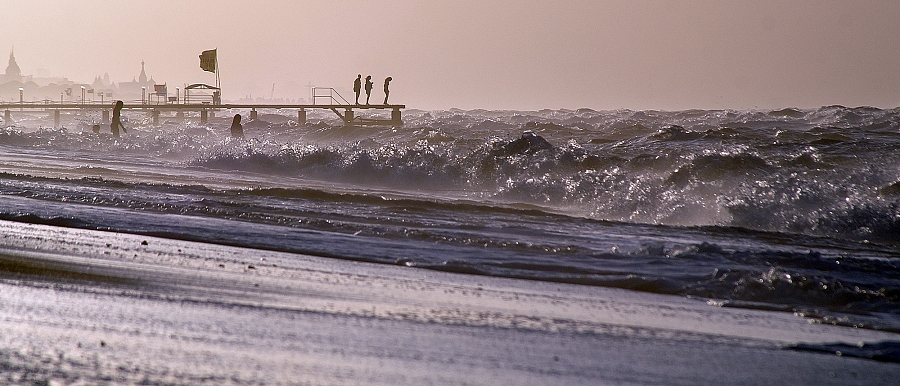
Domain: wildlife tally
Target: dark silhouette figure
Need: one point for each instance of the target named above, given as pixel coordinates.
(236, 129)
(529, 142)
(357, 86)
(117, 120)
(368, 88)
(386, 92)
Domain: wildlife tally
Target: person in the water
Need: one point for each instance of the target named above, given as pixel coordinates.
(117, 119)
(236, 129)
(368, 88)
(386, 92)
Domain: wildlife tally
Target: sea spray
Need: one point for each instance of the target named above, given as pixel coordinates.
(789, 209)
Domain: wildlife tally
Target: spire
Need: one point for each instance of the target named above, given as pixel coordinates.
(13, 69)
(143, 77)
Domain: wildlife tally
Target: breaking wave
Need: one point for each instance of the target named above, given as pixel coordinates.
(794, 209)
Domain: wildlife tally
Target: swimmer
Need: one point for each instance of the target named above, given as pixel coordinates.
(117, 119)
(236, 129)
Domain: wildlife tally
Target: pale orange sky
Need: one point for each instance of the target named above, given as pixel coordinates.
(483, 54)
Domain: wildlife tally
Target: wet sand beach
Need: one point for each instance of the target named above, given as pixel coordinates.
(92, 307)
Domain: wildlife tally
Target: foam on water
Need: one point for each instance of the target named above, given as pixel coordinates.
(805, 178)
(828, 172)
(789, 209)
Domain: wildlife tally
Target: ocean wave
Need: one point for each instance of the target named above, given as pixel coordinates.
(824, 279)
(886, 351)
(792, 210)
(830, 171)
(672, 176)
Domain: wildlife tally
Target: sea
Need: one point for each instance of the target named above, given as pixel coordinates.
(789, 210)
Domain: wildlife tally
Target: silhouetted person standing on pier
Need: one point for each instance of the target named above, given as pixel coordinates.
(386, 92)
(117, 119)
(368, 88)
(237, 130)
(357, 86)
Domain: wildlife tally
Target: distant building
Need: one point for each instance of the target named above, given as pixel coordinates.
(62, 89)
(132, 90)
(12, 80)
(13, 72)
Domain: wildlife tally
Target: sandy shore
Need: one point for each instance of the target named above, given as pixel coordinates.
(90, 307)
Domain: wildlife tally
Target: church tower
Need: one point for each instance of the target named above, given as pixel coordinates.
(13, 73)
(142, 79)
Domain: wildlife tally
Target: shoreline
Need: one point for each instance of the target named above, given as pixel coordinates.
(83, 305)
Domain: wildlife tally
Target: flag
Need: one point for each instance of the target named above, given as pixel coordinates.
(208, 60)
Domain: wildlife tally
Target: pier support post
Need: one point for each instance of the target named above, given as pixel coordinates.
(301, 117)
(212, 113)
(179, 116)
(7, 118)
(395, 117)
(55, 118)
(105, 116)
(348, 117)
(155, 115)
(253, 114)
(203, 116)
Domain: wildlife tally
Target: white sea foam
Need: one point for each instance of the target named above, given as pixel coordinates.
(636, 199)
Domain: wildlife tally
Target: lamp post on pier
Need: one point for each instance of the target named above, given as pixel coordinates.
(82, 95)
(21, 95)
(143, 92)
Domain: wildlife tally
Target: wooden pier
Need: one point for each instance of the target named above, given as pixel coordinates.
(346, 112)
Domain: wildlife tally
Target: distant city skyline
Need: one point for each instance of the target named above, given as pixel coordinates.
(102, 87)
(504, 54)
(16, 85)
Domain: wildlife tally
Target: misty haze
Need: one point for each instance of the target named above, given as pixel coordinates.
(459, 193)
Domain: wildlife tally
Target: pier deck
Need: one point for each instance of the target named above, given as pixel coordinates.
(347, 116)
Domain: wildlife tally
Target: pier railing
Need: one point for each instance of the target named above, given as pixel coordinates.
(328, 93)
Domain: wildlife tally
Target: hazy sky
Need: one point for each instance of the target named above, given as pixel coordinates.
(483, 54)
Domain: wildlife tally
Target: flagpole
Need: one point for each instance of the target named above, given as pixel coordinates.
(205, 65)
(217, 74)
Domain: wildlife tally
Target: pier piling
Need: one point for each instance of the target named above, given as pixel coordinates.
(348, 117)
